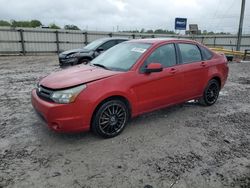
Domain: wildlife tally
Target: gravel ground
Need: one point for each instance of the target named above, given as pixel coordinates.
(182, 146)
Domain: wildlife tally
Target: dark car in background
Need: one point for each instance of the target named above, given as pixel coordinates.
(89, 52)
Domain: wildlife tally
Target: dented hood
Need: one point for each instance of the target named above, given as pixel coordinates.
(75, 76)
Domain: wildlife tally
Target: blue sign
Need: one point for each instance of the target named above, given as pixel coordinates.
(180, 23)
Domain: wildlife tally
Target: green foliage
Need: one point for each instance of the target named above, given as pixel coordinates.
(35, 23)
(205, 32)
(142, 30)
(15, 23)
(32, 23)
(4, 23)
(157, 31)
(71, 27)
(162, 31)
(150, 31)
(54, 26)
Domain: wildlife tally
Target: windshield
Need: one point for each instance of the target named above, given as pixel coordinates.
(94, 44)
(121, 57)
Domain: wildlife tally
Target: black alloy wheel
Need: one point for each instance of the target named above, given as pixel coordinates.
(211, 93)
(110, 119)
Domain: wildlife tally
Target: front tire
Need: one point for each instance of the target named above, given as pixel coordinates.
(84, 61)
(110, 119)
(211, 93)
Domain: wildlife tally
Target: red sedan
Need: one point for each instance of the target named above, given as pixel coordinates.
(130, 79)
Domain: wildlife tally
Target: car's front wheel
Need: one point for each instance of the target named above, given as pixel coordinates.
(110, 118)
(211, 93)
(84, 61)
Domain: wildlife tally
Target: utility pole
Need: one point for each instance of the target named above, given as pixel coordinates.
(240, 25)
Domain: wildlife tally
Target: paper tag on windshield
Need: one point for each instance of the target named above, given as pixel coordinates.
(139, 50)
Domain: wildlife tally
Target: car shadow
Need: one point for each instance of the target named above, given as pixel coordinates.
(88, 137)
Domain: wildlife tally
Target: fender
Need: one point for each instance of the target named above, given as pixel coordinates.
(129, 96)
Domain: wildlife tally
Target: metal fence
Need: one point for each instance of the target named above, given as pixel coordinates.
(36, 40)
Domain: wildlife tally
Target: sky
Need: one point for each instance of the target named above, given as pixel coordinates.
(113, 15)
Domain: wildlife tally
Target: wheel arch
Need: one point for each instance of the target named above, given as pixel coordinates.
(85, 57)
(112, 97)
(217, 78)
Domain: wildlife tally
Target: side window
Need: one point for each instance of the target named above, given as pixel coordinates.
(206, 54)
(190, 53)
(164, 55)
(108, 44)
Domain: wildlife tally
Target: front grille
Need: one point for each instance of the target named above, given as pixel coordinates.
(44, 93)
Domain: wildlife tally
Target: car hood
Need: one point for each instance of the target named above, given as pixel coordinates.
(68, 52)
(75, 76)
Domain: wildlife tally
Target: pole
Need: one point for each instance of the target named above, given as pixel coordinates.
(57, 42)
(22, 42)
(240, 25)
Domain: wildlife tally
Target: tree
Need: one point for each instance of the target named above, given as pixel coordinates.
(35, 23)
(161, 31)
(15, 23)
(150, 31)
(211, 33)
(54, 26)
(204, 32)
(32, 23)
(170, 32)
(4, 23)
(71, 27)
(142, 30)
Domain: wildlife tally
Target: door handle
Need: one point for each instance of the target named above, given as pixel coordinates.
(203, 64)
(173, 70)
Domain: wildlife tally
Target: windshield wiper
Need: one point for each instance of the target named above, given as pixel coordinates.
(100, 65)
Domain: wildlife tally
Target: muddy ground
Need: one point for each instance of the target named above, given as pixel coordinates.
(183, 146)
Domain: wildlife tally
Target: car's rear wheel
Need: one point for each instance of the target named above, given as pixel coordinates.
(110, 119)
(211, 93)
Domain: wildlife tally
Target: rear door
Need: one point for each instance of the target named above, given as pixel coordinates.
(194, 69)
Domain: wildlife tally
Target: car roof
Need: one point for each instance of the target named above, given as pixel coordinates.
(112, 38)
(160, 40)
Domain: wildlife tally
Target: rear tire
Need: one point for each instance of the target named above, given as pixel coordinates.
(110, 118)
(211, 93)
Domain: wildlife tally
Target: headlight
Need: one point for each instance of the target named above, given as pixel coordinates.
(74, 55)
(67, 95)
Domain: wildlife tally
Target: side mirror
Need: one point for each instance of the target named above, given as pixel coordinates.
(153, 67)
(100, 49)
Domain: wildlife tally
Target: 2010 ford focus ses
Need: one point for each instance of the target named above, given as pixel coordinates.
(129, 79)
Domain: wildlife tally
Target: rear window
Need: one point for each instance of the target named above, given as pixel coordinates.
(190, 53)
(206, 54)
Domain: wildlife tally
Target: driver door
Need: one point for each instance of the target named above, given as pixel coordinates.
(105, 47)
(159, 89)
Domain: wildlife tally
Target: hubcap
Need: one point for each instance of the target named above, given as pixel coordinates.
(112, 119)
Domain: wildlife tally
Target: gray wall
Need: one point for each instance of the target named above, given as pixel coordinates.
(33, 40)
